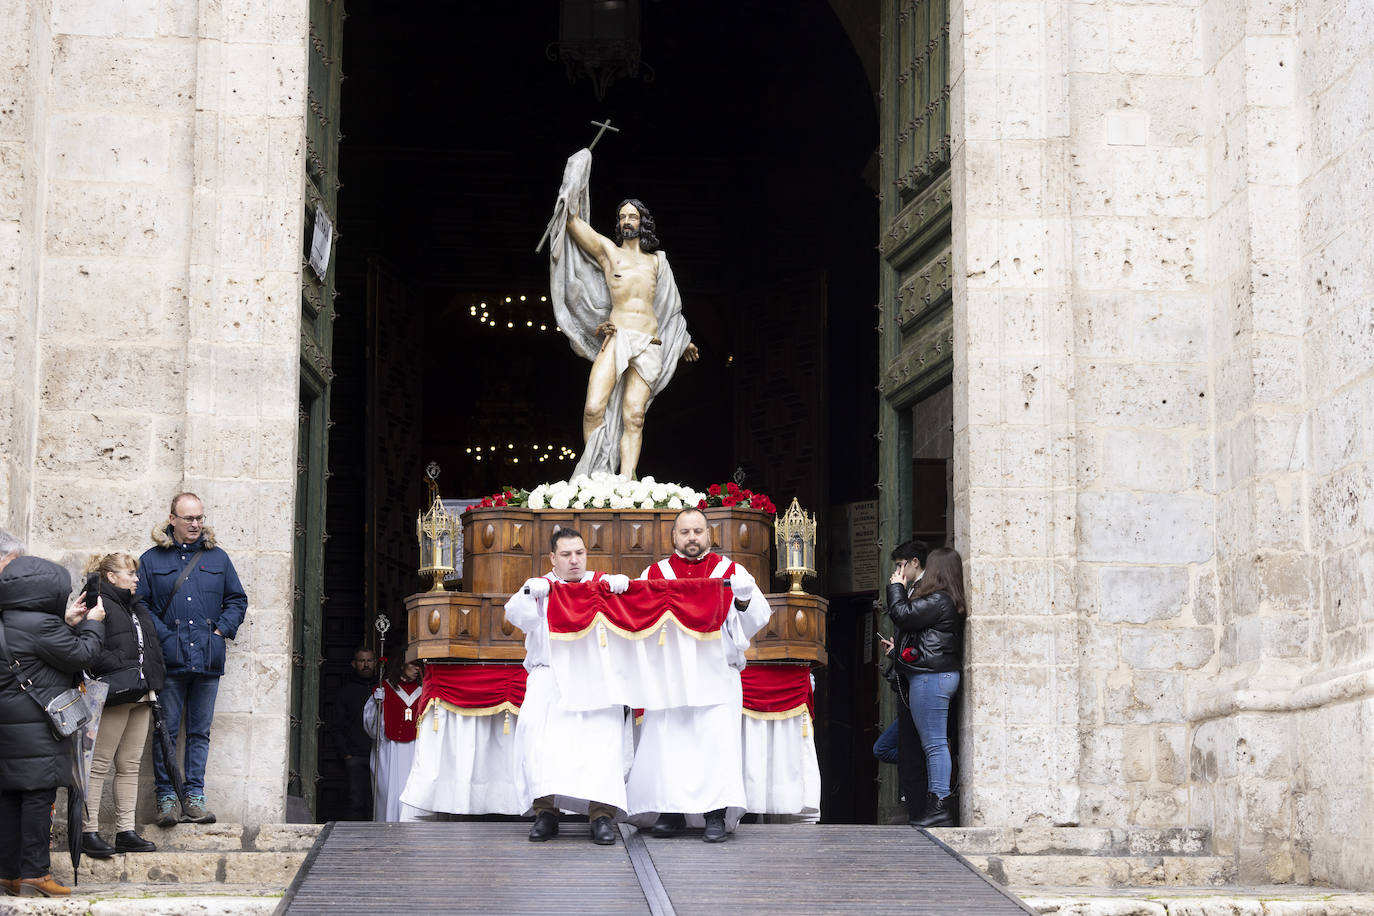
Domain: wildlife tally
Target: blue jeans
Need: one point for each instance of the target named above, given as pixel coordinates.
(930, 695)
(195, 695)
(885, 748)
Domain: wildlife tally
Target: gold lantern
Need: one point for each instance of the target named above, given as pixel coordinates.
(438, 532)
(795, 533)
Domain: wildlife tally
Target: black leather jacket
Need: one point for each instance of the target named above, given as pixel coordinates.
(930, 626)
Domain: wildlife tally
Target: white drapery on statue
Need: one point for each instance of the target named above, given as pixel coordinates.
(581, 301)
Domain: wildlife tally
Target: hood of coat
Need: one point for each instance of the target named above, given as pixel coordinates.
(162, 536)
(34, 584)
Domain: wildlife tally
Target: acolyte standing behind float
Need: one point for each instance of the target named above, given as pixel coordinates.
(390, 721)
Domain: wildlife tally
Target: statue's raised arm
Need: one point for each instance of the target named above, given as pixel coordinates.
(617, 302)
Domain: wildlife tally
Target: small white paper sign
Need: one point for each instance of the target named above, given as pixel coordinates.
(321, 242)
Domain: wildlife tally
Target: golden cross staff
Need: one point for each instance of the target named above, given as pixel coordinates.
(605, 126)
(382, 623)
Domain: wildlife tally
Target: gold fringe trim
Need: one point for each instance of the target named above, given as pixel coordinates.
(661, 624)
(785, 714)
(506, 707)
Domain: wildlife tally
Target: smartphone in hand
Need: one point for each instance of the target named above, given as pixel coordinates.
(92, 589)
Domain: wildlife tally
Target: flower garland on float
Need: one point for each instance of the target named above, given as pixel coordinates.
(602, 490)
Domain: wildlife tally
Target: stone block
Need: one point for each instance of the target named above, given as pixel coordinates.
(1030, 694)
(1158, 396)
(216, 905)
(1101, 755)
(110, 147)
(1107, 804)
(287, 837)
(1145, 697)
(220, 837)
(141, 289)
(91, 511)
(1094, 906)
(1147, 39)
(76, 379)
(271, 869)
(129, 19)
(1169, 649)
(1137, 750)
(155, 74)
(98, 445)
(1060, 871)
(984, 689)
(134, 221)
(1146, 327)
(1135, 459)
(175, 867)
(1144, 528)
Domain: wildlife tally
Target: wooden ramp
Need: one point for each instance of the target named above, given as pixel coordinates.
(486, 867)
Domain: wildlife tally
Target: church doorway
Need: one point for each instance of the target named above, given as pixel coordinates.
(749, 130)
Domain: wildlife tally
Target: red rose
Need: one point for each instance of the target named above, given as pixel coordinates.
(486, 502)
(728, 501)
(713, 489)
(499, 501)
(509, 494)
(910, 656)
(467, 509)
(732, 488)
(701, 504)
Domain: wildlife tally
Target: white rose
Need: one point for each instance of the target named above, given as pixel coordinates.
(674, 503)
(536, 500)
(647, 481)
(558, 501)
(660, 493)
(578, 504)
(646, 503)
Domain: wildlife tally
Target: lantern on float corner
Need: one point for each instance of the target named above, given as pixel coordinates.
(438, 531)
(795, 535)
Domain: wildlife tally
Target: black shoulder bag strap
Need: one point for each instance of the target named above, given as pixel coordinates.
(176, 586)
(24, 683)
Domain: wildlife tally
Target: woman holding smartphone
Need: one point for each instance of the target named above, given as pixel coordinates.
(928, 651)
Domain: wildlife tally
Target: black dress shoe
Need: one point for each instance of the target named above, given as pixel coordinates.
(603, 832)
(94, 846)
(545, 826)
(939, 813)
(715, 827)
(668, 825)
(129, 841)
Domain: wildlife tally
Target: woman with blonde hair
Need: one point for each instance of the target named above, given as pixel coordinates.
(131, 664)
(928, 651)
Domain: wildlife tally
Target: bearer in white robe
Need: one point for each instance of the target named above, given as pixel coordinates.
(389, 720)
(688, 766)
(565, 760)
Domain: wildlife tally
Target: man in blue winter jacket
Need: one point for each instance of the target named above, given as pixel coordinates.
(193, 590)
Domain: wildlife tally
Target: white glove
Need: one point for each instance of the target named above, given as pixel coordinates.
(618, 583)
(742, 584)
(379, 694)
(538, 588)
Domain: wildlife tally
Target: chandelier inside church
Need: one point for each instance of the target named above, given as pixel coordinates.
(599, 39)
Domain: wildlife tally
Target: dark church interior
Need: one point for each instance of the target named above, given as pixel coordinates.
(749, 130)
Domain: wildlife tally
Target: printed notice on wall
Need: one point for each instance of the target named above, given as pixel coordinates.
(321, 241)
(854, 540)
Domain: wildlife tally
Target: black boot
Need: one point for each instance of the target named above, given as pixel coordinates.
(545, 826)
(129, 841)
(715, 827)
(939, 813)
(667, 825)
(94, 846)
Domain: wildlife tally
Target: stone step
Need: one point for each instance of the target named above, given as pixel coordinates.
(228, 837)
(1078, 841)
(259, 869)
(1022, 871)
(1280, 900)
(151, 900)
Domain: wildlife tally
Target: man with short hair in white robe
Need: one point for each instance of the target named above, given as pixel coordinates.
(389, 720)
(565, 760)
(688, 760)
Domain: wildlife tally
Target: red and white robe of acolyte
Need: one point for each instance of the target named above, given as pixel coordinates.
(781, 774)
(688, 756)
(575, 752)
(394, 751)
(465, 741)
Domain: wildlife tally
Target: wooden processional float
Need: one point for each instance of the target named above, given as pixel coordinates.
(504, 546)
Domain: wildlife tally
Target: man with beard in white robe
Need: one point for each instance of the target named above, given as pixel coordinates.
(688, 765)
(390, 721)
(565, 760)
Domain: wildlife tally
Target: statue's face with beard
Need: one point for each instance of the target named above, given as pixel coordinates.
(628, 221)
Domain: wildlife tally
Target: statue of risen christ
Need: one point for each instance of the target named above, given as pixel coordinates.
(618, 304)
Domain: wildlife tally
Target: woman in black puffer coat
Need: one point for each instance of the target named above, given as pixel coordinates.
(928, 651)
(131, 660)
(33, 763)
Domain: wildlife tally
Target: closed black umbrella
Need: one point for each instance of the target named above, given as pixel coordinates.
(169, 752)
(76, 801)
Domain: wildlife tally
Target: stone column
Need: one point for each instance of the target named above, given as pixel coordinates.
(1014, 423)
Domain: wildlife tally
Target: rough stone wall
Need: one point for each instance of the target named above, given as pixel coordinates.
(1164, 347)
(163, 219)
(1015, 453)
(1283, 739)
